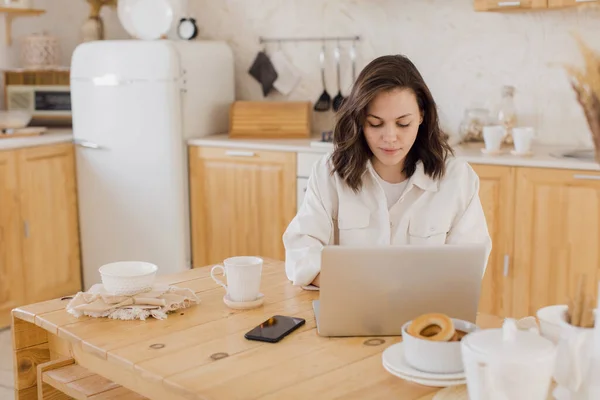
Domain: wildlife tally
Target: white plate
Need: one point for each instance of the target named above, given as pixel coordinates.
(151, 19)
(393, 357)
(526, 154)
(426, 382)
(124, 12)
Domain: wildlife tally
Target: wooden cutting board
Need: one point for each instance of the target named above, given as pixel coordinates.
(22, 132)
(270, 119)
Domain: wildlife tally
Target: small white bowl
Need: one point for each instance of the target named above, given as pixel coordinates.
(14, 119)
(435, 357)
(127, 277)
(550, 319)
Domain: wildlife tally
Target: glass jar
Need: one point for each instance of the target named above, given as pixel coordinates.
(506, 113)
(471, 127)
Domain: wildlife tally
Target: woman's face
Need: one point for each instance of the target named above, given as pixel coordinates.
(391, 126)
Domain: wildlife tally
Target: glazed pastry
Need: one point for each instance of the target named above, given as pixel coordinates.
(434, 327)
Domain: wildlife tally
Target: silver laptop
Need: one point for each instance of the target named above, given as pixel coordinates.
(373, 291)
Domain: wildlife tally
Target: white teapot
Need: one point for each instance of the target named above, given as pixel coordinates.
(508, 364)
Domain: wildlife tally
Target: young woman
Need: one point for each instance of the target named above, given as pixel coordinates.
(391, 179)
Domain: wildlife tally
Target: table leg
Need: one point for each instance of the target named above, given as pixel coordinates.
(30, 348)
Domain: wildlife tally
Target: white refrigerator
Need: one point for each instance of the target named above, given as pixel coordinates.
(135, 103)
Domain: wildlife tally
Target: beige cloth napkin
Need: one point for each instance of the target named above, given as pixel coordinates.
(156, 302)
(573, 363)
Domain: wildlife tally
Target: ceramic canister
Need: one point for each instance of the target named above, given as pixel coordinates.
(508, 364)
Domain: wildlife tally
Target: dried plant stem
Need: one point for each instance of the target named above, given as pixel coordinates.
(586, 84)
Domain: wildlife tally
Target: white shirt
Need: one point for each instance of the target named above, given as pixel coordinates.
(447, 211)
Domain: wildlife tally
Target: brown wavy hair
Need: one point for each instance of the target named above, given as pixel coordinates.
(351, 151)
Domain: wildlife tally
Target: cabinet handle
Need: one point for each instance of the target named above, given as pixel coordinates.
(584, 1)
(304, 190)
(26, 228)
(587, 177)
(87, 144)
(509, 4)
(506, 264)
(238, 153)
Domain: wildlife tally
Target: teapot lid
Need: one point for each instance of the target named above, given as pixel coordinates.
(510, 342)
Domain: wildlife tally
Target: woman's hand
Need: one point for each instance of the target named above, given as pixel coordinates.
(317, 281)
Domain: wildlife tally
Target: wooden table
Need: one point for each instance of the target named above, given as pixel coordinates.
(201, 352)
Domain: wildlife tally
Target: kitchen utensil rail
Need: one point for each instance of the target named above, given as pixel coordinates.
(308, 39)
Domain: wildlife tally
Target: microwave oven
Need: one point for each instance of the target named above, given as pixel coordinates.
(45, 103)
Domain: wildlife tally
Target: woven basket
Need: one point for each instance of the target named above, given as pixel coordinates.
(40, 51)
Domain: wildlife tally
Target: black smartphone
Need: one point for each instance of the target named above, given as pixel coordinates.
(274, 329)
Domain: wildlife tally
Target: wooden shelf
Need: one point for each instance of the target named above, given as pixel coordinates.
(12, 12)
(65, 379)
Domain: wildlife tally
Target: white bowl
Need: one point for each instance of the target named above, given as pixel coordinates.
(550, 319)
(14, 119)
(127, 277)
(435, 357)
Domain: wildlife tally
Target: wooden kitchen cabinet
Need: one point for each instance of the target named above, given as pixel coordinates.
(11, 271)
(497, 196)
(39, 234)
(545, 229)
(48, 198)
(556, 236)
(241, 202)
(568, 3)
(509, 5)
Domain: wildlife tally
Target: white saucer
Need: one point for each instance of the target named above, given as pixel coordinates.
(526, 154)
(426, 382)
(492, 152)
(393, 358)
(244, 305)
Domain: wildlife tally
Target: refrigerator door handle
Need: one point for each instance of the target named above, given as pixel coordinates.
(87, 144)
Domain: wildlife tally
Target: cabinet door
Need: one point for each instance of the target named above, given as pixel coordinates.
(11, 271)
(49, 210)
(497, 198)
(508, 5)
(557, 236)
(241, 202)
(568, 3)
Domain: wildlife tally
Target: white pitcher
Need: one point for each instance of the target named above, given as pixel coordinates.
(508, 364)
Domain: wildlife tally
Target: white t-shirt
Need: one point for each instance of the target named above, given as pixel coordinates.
(392, 191)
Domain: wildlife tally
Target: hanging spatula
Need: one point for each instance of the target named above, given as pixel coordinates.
(338, 99)
(324, 102)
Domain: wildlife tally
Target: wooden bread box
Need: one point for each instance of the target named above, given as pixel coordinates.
(270, 119)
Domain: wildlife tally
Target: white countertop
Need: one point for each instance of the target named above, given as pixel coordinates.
(51, 136)
(471, 153)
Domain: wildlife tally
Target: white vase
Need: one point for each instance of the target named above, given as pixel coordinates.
(92, 29)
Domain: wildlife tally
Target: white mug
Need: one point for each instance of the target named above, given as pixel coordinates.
(523, 138)
(493, 137)
(243, 277)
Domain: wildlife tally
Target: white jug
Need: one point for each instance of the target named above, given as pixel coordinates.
(508, 364)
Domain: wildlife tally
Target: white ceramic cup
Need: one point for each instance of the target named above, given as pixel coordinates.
(493, 137)
(523, 139)
(243, 277)
(550, 318)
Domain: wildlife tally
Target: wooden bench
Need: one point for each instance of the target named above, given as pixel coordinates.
(65, 379)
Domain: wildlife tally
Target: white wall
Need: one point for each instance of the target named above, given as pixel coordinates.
(63, 18)
(464, 56)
